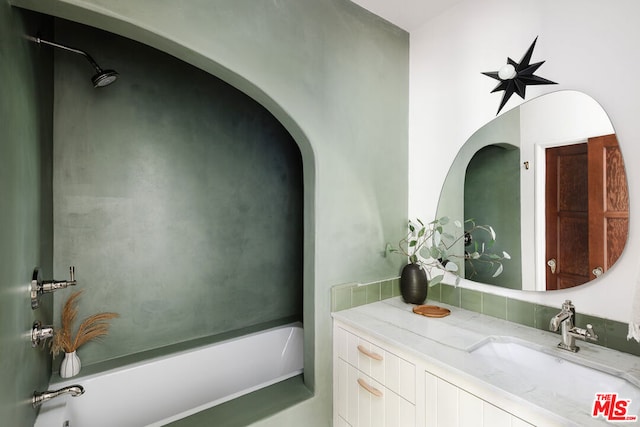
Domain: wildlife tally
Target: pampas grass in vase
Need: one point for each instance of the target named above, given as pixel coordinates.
(64, 340)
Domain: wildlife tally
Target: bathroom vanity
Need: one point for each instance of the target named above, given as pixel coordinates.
(392, 367)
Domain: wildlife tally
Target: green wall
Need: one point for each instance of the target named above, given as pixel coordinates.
(492, 196)
(178, 199)
(505, 131)
(25, 209)
(337, 78)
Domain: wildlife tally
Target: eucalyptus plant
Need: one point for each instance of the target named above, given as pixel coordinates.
(432, 246)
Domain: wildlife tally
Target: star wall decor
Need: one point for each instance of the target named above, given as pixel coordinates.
(515, 76)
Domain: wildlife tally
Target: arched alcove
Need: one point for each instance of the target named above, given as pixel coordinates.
(178, 197)
(347, 114)
(492, 178)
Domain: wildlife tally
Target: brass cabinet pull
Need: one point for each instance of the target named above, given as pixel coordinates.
(597, 271)
(552, 263)
(368, 353)
(369, 388)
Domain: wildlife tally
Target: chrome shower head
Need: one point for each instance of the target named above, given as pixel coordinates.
(102, 77)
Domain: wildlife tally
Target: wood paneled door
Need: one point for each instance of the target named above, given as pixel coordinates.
(587, 210)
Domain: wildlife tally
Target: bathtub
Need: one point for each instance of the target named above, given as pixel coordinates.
(166, 389)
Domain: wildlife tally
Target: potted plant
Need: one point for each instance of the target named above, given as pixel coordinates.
(433, 251)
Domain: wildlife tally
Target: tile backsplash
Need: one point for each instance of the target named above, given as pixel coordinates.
(351, 295)
(611, 333)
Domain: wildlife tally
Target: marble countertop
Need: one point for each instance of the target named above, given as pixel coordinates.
(447, 345)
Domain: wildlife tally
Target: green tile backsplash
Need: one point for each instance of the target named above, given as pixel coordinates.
(351, 295)
(494, 306)
(521, 312)
(611, 334)
(471, 300)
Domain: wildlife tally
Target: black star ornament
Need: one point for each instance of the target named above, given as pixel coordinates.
(514, 77)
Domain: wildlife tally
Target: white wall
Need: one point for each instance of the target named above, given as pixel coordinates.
(589, 45)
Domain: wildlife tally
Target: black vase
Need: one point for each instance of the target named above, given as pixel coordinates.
(413, 284)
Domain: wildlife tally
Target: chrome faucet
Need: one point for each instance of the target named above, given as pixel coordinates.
(564, 320)
(39, 398)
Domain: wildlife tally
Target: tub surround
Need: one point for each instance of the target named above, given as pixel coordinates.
(443, 345)
(26, 234)
(197, 380)
(313, 65)
(196, 180)
(263, 403)
(168, 350)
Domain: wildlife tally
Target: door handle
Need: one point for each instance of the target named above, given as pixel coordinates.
(597, 271)
(552, 263)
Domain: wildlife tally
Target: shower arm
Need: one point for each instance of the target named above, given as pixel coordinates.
(70, 49)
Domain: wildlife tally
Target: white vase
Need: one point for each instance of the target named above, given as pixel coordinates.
(70, 365)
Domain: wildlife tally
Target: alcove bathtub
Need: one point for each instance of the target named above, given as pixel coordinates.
(165, 389)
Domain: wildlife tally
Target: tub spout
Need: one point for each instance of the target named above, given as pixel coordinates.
(40, 397)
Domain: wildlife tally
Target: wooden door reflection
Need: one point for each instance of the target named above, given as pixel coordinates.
(587, 210)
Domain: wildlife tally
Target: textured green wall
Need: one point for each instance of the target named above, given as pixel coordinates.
(492, 196)
(337, 78)
(178, 198)
(25, 209)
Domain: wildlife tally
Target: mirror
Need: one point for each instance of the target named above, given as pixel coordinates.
(559, 235)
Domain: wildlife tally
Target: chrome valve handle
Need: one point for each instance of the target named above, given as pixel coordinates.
(39, 333)
(39, 286)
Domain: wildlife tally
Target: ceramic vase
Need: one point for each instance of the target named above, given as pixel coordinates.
(70, 365)
(413, 284)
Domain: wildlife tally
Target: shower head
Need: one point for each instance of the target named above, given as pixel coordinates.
(102, 77)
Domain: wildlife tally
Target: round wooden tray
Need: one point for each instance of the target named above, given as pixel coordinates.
(431, 311)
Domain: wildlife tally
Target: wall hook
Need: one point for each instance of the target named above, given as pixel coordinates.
(388, 248)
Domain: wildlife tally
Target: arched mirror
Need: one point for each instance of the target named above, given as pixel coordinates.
(549, 177)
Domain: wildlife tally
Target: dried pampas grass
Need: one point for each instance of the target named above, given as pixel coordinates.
(91, 328)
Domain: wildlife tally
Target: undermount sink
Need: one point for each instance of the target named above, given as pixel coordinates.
(557, 376)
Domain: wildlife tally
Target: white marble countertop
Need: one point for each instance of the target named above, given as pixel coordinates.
(447, 344)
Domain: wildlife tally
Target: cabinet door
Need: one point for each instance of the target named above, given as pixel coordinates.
(340, 422)
(361, 401)
(450, 406)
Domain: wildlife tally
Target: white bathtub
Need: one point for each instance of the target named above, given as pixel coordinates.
(166, 389)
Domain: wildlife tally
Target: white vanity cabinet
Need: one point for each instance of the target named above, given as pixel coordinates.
(373, 386)
(377, 385)
(448, 405)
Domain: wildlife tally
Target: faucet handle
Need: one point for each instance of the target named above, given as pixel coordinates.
(591, 333)
(39, 286)
(39, 333)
